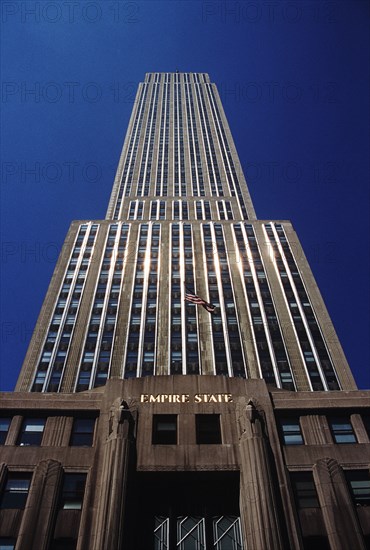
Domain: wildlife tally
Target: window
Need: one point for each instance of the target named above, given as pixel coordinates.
(63, 544)
(4, 428)
(82, 432)
(164, 429)
(32, 431)
(208, 430)
(341, 429)
(359, 484)
(366, 421)
(16, 490)
(291, 431)
(73, 491)
(7, 543)
(304, 490)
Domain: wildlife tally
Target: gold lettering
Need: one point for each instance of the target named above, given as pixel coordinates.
(154, 398)
(185, 398)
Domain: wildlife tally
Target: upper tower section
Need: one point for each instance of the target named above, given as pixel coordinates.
(178, 144)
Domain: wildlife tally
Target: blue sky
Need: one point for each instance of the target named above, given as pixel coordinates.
(293, 77)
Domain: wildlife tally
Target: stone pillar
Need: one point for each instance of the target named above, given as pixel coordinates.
(315, 429)
(116, 456)
(359, 428)
(258, 509)
(340, 519)
(38, 517)
(57, 431)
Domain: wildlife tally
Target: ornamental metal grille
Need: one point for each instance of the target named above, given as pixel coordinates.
(198, 533)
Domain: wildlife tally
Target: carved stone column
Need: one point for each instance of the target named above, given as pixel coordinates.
(258, 508)
(38, 517)
(339, 515)
(315, 429)
(109, 525)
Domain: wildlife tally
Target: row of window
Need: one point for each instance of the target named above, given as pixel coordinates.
(165, 430)
(340, 427)
(306, 495)
(202, 210)
(17, 486)
(177, 77)
(15, 493)
(208, 429)
(32, 431)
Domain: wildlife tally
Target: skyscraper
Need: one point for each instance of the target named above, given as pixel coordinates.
(199, 362)
(180, 219)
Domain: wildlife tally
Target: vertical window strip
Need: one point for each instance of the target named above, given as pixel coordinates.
(177, 363)
(207, 210)
(229, 210)
(184, 213)
(176, 146)
(110, 310)
(136, 210)
(300, 324)
(140, 206)
(150, 323)
(220, 351)
(315, 330)
(179, 153)
(256, 312)
(190, 310)
(148, 146)
(198, 210)
(153, 210)
(176, 210)
(195, 158)
(276, 343)
(96, 357)
(229, 166)
(163, 147)
(53, 357)
(232, 322)
(202, 210)
(132, 210)
(279, 355)
(162, 210)
(126, 181)
(221, 210)
(134, 335)
(206, 146)
(215, 177)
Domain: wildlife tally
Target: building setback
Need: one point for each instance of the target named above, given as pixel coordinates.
(184, 387)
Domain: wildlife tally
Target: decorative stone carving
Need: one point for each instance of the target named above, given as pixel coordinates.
(257, 500)
(338, 512)
(114, 472)
(38, 518)
(250, 420)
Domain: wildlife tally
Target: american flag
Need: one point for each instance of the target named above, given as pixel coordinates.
(194, 299)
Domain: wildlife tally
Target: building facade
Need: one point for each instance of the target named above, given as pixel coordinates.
(142, 419)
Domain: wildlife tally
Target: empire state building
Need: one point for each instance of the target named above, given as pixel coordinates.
(184, 388)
